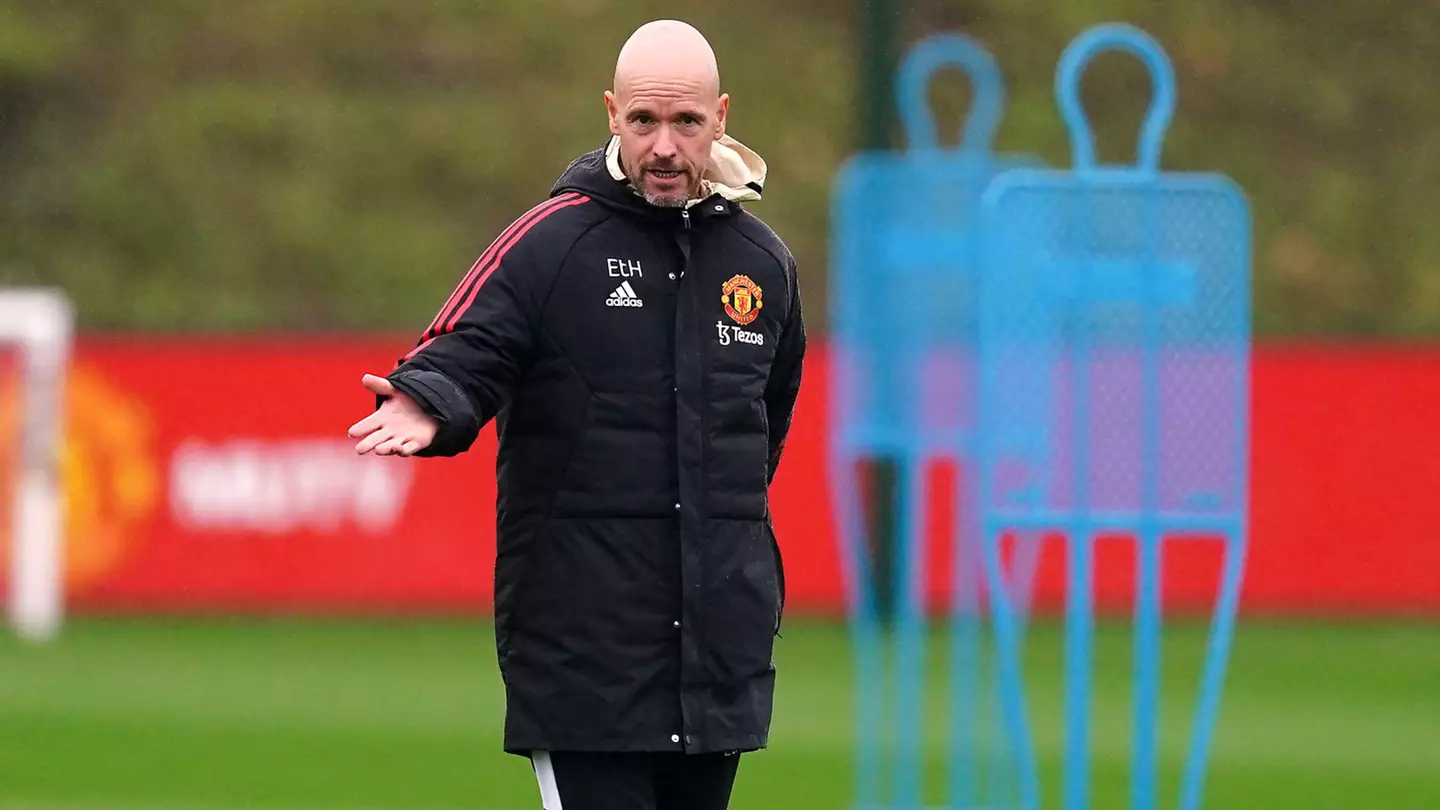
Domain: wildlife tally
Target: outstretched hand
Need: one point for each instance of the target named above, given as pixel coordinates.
(397, 428)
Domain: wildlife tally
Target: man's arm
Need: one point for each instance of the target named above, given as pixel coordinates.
(784, 383)
(462, 370)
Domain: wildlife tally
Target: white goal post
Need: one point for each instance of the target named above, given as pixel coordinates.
(39, 323)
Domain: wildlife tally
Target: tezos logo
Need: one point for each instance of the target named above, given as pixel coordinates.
(728, 333)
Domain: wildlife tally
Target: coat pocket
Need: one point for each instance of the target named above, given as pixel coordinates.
(779, 573)
(740, 599)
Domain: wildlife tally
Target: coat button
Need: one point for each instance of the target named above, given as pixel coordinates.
(677, 507)
(674, 738)
(677, 622)
(719, 208)
(672, 276)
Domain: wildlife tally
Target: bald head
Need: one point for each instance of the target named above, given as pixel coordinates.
(667, 51)
(667, 110)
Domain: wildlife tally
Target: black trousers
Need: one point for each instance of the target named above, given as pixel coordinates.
(668, 781)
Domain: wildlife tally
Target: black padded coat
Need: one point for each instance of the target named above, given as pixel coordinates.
(641, 364)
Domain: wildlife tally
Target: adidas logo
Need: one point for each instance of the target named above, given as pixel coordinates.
(624, 296)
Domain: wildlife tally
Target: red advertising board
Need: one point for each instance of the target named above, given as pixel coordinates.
(215, 475)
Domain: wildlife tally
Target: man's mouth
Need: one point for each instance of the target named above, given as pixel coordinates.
(666, 174)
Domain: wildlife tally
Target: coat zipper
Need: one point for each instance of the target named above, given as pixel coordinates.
(690, 574)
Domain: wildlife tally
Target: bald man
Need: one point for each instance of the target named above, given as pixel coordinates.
(638, 340)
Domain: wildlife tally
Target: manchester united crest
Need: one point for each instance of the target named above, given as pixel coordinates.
(742, 299)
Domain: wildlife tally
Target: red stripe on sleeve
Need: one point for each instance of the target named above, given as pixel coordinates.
(460, 289)
(415, 351)
(499, 255)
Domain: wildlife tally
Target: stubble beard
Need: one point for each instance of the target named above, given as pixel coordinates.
(659, 199)
(666, 200)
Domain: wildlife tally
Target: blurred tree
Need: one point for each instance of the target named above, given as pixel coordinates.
(878, 40)
(338, 163)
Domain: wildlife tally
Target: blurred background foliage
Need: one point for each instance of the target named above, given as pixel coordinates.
(337, 164)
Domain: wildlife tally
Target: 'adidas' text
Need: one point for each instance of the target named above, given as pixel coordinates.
(624, 296)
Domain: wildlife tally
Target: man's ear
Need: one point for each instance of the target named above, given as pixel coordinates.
(722, 112)
(613, 110)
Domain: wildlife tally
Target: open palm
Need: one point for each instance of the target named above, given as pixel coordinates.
(397, 428)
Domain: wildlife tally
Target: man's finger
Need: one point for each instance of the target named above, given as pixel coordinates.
(365, 426)
(374, 440)
(378, 385)
(410, 448)
(390, 447)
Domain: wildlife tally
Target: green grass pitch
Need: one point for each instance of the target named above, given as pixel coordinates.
(223, 714)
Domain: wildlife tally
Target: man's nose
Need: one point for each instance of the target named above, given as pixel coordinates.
(664, 144)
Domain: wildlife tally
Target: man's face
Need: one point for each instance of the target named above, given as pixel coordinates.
(666, 129)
